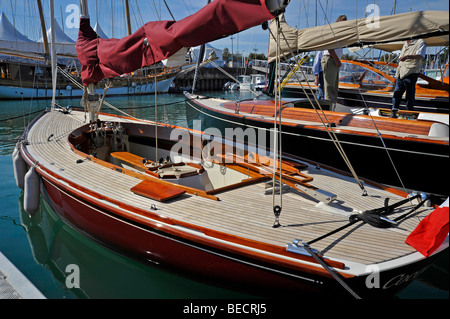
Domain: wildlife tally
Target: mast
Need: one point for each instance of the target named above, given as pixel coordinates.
(316, 13)
(44, 31)
(92, 100)
(84, 11)
(53, 53)
(127, 12)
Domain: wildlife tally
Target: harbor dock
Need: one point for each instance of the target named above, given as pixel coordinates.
(13, 284)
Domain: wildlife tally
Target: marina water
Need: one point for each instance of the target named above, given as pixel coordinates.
(47, 251)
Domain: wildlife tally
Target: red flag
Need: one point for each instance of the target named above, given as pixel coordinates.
(431, 232)
(156, 41)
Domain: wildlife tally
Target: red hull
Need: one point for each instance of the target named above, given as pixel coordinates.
(232, 270)
(151, 245)
(220, 257)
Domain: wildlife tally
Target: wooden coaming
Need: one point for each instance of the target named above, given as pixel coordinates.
(343, 121)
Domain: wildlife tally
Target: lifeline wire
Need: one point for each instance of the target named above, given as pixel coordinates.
(328, 127)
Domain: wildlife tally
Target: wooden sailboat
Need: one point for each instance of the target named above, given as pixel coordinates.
(382, 149)
(367, 84)
(399, 152)
(218, 208)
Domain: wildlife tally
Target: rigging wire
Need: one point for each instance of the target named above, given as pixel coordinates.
(380, 135)
(140, 15)
(300, 10)
(426, 3)
(187, 8)
(156, 10)
(376, 128)
(199, 62)
(410, 1)
(323, 118)
(156, 116)
(170, 12)
(365, 104)
(231, 77)
(31, 100)
(277, 135)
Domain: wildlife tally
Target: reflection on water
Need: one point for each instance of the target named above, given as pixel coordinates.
(106, 274)
(103, 273)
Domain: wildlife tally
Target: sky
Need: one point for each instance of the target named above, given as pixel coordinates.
(110, 14)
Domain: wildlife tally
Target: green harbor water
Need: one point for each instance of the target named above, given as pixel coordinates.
(43, 247)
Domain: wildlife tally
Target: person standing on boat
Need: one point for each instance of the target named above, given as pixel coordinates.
(318, 74)
(411, 57)
(331, 62)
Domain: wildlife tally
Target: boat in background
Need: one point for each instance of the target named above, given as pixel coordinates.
(398, 152)
(440, 75)
(32, 80)
(252, 82)
(26, 74)
(371, 84)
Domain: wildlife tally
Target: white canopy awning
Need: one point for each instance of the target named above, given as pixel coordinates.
(8, 32)
(60, 36)
(387, 33)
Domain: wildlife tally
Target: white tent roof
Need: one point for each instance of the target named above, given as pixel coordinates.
(195, 52)
(60, 36)
(12, 42)
(100, 32)
(8, 32)
(207, 47)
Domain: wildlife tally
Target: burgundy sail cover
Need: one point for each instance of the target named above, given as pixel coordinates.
(156, 41)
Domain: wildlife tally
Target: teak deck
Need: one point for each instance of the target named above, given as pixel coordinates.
(244, 212)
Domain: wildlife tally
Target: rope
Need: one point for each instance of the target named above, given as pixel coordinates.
(372, 219)
(333, 273)
(378, 131)
(376, 217)
(365, 105)
(380, 135)
(20, 116)
(80, 86)
(71, 78)
(102, 101)
(277, 146)
(368, 217)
